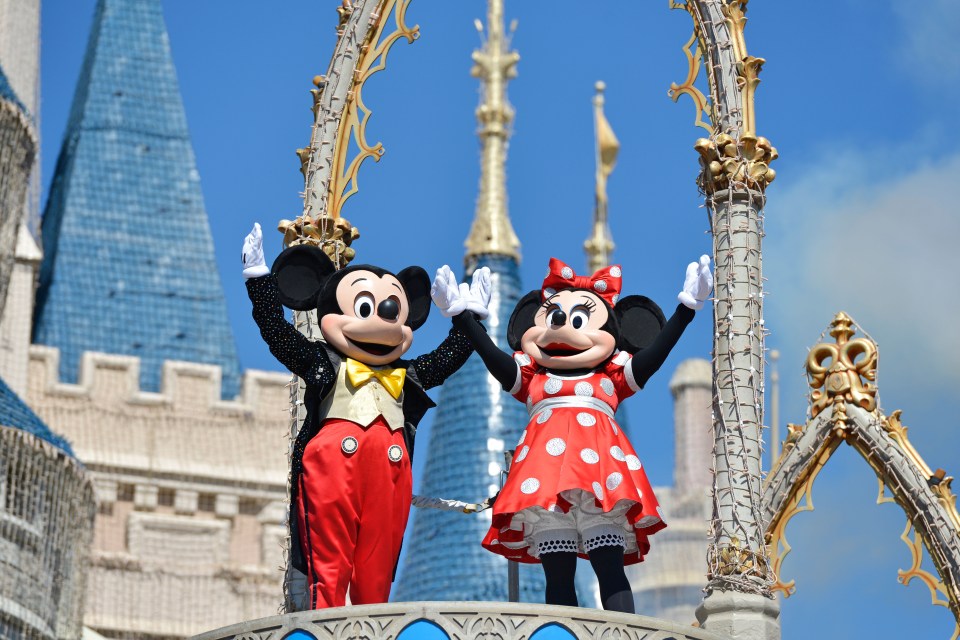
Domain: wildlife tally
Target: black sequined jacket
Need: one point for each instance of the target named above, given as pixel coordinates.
(317, 364)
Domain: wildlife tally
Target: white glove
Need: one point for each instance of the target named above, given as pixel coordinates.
(480, 289)
(254, 265)
(697, 285)
(449, 297)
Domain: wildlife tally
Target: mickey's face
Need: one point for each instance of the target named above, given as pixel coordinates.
(569, 332)
(371, 326)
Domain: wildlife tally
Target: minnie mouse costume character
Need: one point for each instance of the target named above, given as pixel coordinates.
(576, 486)
(351, 484)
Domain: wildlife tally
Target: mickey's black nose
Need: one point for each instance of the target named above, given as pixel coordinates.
(388, 309)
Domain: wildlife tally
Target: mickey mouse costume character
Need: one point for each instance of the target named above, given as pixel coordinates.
(576, 487)
(351, 483)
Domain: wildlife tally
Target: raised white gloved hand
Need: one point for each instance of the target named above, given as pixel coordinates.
(480, 289)
(254, 265)
(449, 297)
(697, 285)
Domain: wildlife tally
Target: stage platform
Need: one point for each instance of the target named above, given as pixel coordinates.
(458, 621)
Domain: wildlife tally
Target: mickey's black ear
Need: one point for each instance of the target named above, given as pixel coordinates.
(522, 318)
(640, 322)
(416, 283)
(301, 272)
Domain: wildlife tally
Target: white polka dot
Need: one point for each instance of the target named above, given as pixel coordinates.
(617, 453)
(553, 507)
(589, 456)
(494, 541)
(523, 454)
(616, 298)
(552, 386)
(607, 385)
(544, 416)
(556, 446)
(600, 285)
(529, 403)
(585, 419)
(615, 272)
(583, 388)
(598, 490)
(566, 272)
(522, 359)
(548, 292)
(614, 480)
(530, 485)
(633, 463)
(523, 436)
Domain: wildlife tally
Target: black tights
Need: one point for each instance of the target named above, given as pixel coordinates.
(559, 567)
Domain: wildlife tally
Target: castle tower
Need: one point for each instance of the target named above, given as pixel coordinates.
(128, 258)
(134, 356)
(475, 420)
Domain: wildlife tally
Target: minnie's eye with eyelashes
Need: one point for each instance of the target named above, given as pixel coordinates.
(579, 317)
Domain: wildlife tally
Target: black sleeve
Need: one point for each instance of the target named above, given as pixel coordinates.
(441, 363)
(500, 365)
(299, 354)
(647, 361)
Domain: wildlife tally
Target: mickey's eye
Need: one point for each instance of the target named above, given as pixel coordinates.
(579, 317)
(556, 318)
(364, 305)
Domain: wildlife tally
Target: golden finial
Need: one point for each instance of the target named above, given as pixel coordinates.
(599, 246)
(494, 64)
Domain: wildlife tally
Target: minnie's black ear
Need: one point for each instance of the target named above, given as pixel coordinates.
(522, 318)
(640, 322)
(416, 283)
(301, 272)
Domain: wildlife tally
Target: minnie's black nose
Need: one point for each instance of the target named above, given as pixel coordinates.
(388, 309)
(557, 319)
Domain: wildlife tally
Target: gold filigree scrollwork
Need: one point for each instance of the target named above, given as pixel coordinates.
(693, 50)
(799, 501)
(353, 126)
(911, 537)
(748, 67)
(940, 483)
(726, 162)
(847, 378)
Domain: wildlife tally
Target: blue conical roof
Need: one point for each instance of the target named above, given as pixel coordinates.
(444, 559)
(16, 414)
(128, 257)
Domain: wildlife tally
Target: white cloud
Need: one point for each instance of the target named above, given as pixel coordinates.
(864, 233)
(927, 48)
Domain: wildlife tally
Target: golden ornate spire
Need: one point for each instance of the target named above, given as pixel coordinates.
(494, 64)
(599, 246)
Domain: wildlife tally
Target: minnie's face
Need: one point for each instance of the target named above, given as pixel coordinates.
(567, 332)
(371, 326)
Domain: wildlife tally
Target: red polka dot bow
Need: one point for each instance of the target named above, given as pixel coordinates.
(605, 283)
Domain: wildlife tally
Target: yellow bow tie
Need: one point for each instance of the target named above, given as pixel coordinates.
(391, 379)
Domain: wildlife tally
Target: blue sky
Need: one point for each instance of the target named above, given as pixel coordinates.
(857, 95)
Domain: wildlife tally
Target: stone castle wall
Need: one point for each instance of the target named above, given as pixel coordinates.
(191, 490)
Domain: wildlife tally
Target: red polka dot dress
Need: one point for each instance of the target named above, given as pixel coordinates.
(575, 482)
